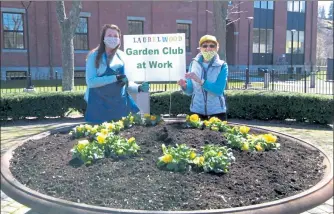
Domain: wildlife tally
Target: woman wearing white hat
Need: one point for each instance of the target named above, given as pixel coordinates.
(206, 81)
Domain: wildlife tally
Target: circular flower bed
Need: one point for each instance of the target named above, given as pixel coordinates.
(137, 164)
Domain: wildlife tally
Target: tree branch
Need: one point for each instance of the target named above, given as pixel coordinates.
(233, 21)
(60, 9)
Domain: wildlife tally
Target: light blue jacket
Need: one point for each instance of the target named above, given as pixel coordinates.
(209, 98)
(94, 76)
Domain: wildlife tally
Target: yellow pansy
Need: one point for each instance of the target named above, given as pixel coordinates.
(93, 130)
(224, 122)
(194, 118)
(214, 128)
(104, 131)
(214, 119)
(131, 119)
(131, 140)
(199, 161)
(167, 158)
(88, 127)
(219, 154)
(153, 117)
(147, 115)
(82, 144)
(101, 138)
(192, 155)
(244, 129)
(110, 126)
(259, 148)
(206, 123)
(79, 128)
(245, 146)
(269, 138)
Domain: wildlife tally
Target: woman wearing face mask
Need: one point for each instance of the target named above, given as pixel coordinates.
(206, 81)
(107, 85)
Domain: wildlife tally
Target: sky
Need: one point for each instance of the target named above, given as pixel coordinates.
(326, 4)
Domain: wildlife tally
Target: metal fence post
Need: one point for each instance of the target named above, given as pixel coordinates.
(247, 78)
(304, 80)
(272, 78)
(56, 80)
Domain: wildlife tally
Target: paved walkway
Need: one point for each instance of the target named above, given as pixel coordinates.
(9, 206)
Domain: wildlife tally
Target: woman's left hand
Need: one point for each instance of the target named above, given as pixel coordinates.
(193, 76)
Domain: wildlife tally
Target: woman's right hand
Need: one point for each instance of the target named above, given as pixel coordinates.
(182, 83)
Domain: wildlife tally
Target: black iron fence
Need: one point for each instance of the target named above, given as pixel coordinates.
(319, 81)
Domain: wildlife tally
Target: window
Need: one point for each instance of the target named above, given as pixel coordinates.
(298, 42)
(264, 4)
(262, 40)
(13, 31)
(80, 40)
(135, 27)
(296, 6)
(185, 28)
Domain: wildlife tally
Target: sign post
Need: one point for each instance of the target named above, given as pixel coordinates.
(154, 58)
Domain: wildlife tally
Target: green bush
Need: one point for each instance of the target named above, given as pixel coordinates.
(40, 105)
(261, 105)
(243, 104)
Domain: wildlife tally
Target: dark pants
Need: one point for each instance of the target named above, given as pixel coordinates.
(221, 116)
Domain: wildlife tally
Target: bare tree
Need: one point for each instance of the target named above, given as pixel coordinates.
(219, 24)
(67, 27)
(221, 13)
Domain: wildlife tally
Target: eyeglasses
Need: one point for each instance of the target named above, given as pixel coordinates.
(211, 46)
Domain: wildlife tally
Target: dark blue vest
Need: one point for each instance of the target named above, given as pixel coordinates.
(109, 102)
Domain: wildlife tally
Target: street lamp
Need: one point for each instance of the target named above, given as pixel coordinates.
(247, 70)
(292, 32)
(29, 84)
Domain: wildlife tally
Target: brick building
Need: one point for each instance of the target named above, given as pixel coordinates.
(270, 31)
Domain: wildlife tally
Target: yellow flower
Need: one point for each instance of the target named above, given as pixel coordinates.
(199, 161)
(225, 122)
(104, 131)
(206, 123)
(259, 147)
(110, 126)
(121, 124)
(269, 138)
(245, 146)
(194, 118)
(101, 138)
(214, 128)
(244, 129)
(131, 119)
(94, 130)
(192, 155)
(82, 144)
(153, 117)
(79, 128)
(88, 127)
(167, 158)
(219, 154)
(131, 140)
(214, 119)
(147, 115)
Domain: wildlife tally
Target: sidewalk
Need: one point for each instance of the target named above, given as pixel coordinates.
(14, 132)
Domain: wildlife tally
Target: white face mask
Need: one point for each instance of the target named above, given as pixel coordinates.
(111, 42)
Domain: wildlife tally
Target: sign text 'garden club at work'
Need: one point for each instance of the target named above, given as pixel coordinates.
(155, 57)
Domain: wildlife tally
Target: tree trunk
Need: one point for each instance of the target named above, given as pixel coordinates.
(67, 27)
(68, 60)
(219, 23)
